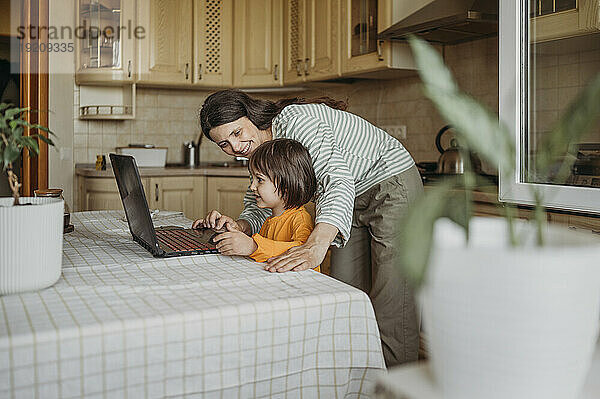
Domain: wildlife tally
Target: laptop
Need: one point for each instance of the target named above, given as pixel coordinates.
(161, 241)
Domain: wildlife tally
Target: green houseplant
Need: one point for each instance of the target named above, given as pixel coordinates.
(30, 228)
(501, 298)
(13, 142)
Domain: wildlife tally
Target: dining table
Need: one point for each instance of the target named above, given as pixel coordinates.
(122, 323)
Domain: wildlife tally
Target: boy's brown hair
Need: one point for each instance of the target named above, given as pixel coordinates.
(289, 166)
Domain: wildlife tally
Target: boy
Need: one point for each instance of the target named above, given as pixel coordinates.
(283, 180)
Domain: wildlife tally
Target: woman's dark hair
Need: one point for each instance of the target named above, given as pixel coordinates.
(289, 166)
(229, 105)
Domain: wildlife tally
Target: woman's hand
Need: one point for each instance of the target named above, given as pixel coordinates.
(306, 256)
(216, 221)
(302, 257)
(235, 242)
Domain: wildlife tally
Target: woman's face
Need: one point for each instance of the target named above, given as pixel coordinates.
(240, 137)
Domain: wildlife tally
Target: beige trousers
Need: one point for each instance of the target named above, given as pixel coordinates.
(368, 262)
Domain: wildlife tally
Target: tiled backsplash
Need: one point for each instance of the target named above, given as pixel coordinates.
(562, 69)
(401, 102)
(168, 117)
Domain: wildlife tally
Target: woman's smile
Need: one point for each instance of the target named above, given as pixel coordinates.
(240, 137)
(245, 150)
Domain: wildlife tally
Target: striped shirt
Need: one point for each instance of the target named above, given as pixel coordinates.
(349, 156)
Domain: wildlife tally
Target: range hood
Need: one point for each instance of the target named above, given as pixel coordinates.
(446, 21)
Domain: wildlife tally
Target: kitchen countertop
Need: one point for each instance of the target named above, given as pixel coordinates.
(204, 169)
(487, 194)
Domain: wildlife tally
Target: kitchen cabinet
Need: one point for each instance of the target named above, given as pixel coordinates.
(101, 193)
(312, 40)
(226, 194)
(213, 42)
(105, 55)
(258, 43)
(361, 50)
(553, 19)
(165, 54)
(178, 193)
(173, 193)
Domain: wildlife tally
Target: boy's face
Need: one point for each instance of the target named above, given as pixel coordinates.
(265, 191)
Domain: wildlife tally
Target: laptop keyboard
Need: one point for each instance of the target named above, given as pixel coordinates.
(182, 240)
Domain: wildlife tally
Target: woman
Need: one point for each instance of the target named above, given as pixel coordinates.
(366, 179)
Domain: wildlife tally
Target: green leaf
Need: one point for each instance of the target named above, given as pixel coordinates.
(31, 143)
(428, 61)
(17, 132)
(415, 242)
(476, 126)
(43, 128)
(12, 112)
(3, 106)
(11, 154)
(44, 139)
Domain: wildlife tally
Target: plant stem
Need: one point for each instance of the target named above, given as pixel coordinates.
(540, 217)
(13, 182)
(510, 217)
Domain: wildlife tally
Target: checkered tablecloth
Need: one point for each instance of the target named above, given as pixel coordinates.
(120, 323)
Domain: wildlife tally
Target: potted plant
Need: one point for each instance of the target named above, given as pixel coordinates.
(510, 308)
(30, 228)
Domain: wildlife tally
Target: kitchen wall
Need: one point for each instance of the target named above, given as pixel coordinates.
(164, 117)
(168, 117)
(401, 102)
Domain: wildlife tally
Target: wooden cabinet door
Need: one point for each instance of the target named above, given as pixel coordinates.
(295, 41)
(213, 42)
(181, 194)
(257, 43)
(165, 55)
(226, 194)
(323, 37)
(110, 58)
(101, 193)
(380, 56)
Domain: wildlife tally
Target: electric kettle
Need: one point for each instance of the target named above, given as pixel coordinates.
(451, 160)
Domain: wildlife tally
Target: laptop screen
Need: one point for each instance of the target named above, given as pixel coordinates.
(134, 199)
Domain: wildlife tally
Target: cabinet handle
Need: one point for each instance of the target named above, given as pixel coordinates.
(187, 71)
(380, 50)
(298, 68)
(156, 192)
(129, 69)
(199, 71)
(276, 72)
(306, 67)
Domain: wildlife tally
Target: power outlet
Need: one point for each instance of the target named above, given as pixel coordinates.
(397, 131)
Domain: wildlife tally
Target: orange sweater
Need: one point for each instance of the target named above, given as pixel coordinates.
(280, 233)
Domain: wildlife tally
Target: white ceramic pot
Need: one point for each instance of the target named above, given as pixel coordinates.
(31, 238)
(504, 322)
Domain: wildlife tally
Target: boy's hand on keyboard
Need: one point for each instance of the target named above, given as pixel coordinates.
(234, 242)
(216, 221)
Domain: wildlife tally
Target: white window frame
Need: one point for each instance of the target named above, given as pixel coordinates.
(513, 47)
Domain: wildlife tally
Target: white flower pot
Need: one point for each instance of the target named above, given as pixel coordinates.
(31, 239)
(505, 322)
